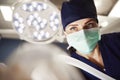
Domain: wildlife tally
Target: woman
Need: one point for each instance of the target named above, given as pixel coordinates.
(80, 24)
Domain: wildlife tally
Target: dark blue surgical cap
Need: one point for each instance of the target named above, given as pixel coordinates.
(76, 10)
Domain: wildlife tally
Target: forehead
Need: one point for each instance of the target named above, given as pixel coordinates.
(81, 21)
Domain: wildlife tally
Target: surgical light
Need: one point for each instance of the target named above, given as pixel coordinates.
(37, 21)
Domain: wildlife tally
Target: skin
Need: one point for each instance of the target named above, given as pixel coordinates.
(95, 55)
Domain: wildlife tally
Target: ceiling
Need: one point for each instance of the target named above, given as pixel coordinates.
(104, 8)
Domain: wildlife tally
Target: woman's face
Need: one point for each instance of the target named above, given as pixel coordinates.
(78, 25)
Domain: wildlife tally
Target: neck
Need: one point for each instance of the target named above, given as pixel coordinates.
(94, 56)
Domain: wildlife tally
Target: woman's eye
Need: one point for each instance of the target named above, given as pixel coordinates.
(90, 25)
(73, 28)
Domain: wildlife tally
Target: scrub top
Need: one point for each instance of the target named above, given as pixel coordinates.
(109, 46)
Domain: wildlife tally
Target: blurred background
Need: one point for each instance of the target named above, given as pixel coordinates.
(16, 29)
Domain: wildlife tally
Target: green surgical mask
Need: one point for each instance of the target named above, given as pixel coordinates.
(84, 40)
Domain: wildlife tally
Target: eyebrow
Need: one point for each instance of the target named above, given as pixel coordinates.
(89, 21)
(73, 25)
(84, 23)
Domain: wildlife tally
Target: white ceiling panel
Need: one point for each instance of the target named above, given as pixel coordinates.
(115, 12)
(104, 6)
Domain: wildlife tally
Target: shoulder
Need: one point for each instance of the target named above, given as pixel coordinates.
(111, 37)
(111, 41)
(116, 34)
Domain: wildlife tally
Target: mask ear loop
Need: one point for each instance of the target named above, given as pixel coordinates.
(99, 27)
(69, 47)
